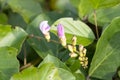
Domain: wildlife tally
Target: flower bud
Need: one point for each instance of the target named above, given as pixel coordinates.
(74, 40)
(86, 58)
(73, 55)
(80, 58)
(81, 48)
(47, 37)
(61, 34)
(70, 48)
(63, 41)
(81, 62)
(81, 54)
(84, 50)
(74, 48)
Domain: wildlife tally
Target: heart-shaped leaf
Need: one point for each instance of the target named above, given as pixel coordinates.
(106, 58)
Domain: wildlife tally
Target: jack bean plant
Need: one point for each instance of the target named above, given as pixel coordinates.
(59, 39)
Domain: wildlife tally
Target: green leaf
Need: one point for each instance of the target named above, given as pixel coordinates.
(104, 3)
(65, 75)
(12, 37)
(84, 8)
(3, 18)
(9, 64)
(87, 6)
(105, 16)
(75, 27)
(75, 3)
(16, 20)
(106, 58)
(27, 8)
(46, 72)
(73, 64)
(79, 75)
(55, 61)
(119, 74)
(38, 43)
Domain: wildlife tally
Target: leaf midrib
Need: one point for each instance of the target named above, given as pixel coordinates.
(101, 62)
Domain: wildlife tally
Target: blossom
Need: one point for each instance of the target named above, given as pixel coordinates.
(45, 28)
(61, 34)
(60, 30)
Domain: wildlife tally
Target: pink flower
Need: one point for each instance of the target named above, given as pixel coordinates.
(60, 30)
(44, 27)
(61, 34)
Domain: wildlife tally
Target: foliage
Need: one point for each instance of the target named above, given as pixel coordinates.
(73, 51)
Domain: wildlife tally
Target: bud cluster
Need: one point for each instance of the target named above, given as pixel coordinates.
(72, 48)
(81, 54)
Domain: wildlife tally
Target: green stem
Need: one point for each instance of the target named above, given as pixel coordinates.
(32, 63)
(96, 26)
(39, 38)
(25, 55)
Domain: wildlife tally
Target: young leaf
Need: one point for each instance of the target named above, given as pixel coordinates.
(106, 59)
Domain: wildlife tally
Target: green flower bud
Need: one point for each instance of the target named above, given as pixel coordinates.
(70, 48)
(74, 40)
(73, 55)
(81, 48)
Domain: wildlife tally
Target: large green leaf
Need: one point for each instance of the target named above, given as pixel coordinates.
(27, 8)
(46, 72)
(16, 20)
(84, 8)
(75, 3)
(87, 6)
(104, 3)
(3, 18)
(105, 16)
(8, 62)
(106, 58)
(119, 74)
(40, 45)
(75, 27)
(79, 75)
(73, 64)
(13, 37)
(55, 61)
